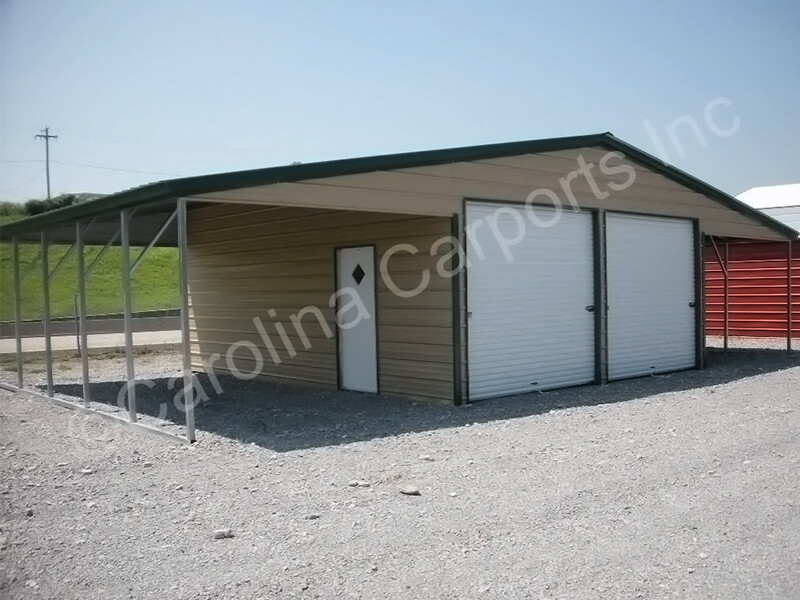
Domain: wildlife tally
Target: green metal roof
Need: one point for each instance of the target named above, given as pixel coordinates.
(204, 184)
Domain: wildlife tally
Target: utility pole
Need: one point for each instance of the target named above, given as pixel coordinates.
(45, 135)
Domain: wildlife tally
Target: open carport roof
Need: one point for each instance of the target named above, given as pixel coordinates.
(158, 196)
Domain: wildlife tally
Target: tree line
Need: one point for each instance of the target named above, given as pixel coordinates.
(33, 207)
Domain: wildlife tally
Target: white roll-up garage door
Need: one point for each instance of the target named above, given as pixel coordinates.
(651, 295)
(530, 296)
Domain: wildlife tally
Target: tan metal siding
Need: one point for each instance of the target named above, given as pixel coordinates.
(246, 261)
(440, 189)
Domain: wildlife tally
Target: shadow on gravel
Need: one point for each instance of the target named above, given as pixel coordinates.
(284, 418)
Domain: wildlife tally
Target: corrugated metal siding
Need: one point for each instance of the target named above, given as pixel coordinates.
(651, 291)
(246, 261)
(440, 190)
(757, 289)
(529, 328)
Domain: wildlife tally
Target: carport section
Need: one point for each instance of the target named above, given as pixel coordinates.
(281, 243)
(147, 226)
(752, 289)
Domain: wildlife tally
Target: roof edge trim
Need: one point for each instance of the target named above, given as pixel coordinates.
(203, 184)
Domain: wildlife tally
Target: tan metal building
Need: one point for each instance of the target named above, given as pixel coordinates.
(447, 275)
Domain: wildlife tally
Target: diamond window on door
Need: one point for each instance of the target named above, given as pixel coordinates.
(358, 274)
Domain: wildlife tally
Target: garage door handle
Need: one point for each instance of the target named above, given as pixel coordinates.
(590, 309)
(692, 304)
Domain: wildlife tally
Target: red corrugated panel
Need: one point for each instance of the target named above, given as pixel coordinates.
(757, 290)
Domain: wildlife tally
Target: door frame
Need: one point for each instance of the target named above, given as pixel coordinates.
(599, 284)
(376, 273)
(699, 276)
(459, 314)
(699, 296)
(698, 283)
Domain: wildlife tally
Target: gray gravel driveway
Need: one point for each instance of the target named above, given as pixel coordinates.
(683, 486)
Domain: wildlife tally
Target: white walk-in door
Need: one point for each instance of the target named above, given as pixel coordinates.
(530, 299)
(355, 317)
(651, 295)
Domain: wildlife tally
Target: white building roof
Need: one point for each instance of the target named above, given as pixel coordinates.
(772, 196)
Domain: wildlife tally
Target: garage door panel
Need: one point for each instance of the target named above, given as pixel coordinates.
(507, 366)
(651, 291)
(480, 389)
(529, 328)
(494, 351)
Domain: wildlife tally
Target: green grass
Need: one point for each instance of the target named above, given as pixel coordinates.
(6, 218)
(154, 285)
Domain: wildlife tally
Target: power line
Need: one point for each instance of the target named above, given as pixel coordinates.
(45, 135)
(24, 183)
(72, 164)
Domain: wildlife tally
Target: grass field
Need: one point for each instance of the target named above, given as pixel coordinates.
(154, 284)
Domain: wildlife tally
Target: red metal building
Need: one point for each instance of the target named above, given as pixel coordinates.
(752, 288)
(757, 288)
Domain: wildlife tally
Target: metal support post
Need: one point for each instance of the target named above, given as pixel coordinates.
(125, 217)
(183, 259)
(17, 311)
(48, 347)
(601, 298)
(723, 265)
(789, 303)
(726, 313)
(699, 297)
(84, 338)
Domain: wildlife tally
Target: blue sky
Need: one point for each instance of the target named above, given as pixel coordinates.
(153, 89)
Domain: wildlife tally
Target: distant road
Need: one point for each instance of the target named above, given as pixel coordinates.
(110, 324)
(111, 342)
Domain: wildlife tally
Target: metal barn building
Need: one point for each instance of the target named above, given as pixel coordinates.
(753, 287)
(448, 275)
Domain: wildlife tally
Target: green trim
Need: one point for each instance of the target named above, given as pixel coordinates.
(206, 184)
(699, 296)
(455, 290)
(600, 297)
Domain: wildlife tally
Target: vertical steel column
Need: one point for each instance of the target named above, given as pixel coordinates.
(726, 291)
(183, 266)
(601, 298)
(699, 297)
(456, 268)
(84, 338)
(789, 304)
(17, 311)
(48, 348)
(125, 219)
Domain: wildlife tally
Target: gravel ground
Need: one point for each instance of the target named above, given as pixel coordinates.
(751, 343)
(679, 486)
